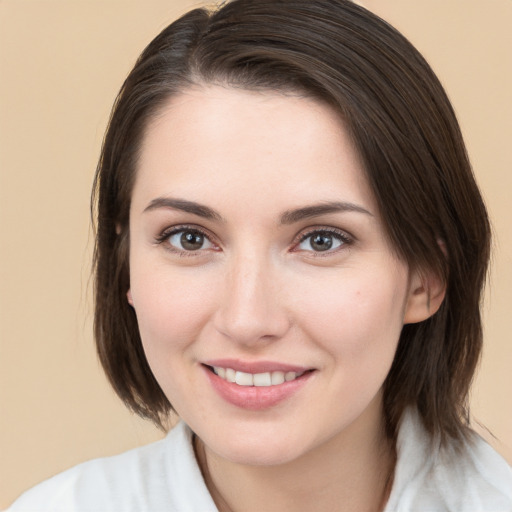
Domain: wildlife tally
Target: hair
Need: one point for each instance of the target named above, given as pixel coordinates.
(413, 154)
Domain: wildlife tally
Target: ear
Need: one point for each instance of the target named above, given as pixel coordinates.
(426, 294)
(129, 297)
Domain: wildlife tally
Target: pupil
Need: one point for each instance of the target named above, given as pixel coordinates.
(321, 242)
(191, 241)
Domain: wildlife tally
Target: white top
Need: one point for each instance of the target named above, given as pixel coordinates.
(164, 477)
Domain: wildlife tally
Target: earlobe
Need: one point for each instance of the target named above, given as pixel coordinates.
(129, 297)
(426, 294)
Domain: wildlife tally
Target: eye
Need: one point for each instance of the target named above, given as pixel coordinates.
(323, 241)
(186, 240)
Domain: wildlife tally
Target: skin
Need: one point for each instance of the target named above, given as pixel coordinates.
(258, 289)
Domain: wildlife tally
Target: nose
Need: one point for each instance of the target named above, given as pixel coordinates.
(252, 309)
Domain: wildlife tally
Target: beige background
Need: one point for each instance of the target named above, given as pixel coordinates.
(61, 64)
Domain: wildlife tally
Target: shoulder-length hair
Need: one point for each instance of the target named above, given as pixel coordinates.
(413, 154)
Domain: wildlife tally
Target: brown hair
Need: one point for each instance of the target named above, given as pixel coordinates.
(413, 153)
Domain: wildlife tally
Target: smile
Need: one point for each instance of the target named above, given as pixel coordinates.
(265, 379)
(258, 385)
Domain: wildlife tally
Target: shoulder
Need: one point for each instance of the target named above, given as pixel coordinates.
(471, 478)
(161, 475)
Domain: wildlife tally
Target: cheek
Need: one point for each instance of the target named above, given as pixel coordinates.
(357, 317)
(171, 309)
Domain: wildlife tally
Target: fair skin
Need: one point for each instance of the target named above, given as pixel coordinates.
(257, 245)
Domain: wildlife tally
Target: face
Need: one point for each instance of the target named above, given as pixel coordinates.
(268, 298)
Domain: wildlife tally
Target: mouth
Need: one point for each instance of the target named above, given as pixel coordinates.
(266, 386)
(264, 379)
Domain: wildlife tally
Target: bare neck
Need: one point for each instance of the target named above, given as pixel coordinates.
(351, 472)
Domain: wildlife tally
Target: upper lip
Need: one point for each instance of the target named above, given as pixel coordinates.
(256, 366)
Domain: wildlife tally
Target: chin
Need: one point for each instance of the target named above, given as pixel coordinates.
(259, 455)
(257, 448)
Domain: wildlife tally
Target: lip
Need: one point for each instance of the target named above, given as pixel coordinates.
(256, 366)
(256, 398)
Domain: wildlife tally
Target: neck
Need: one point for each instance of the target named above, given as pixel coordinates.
(350, 472)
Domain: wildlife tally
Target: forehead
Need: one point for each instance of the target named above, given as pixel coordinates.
(216, 142)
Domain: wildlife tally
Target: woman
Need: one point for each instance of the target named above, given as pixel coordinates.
(290, 253)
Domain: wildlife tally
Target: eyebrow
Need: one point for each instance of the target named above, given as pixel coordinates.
(185, 206)
(288, 217)
(292, 216)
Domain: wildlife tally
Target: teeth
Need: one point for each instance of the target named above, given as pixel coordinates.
(255, 379)
(262, 379)
(230, 375)
(277, 378)
(244, 379)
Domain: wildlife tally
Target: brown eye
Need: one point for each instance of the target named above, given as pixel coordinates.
(322, 241)
(189, 240)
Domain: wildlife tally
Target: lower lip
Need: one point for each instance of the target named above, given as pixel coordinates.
(255, 398)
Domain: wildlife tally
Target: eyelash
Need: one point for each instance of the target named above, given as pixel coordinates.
(167, 233)
(342, 237)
